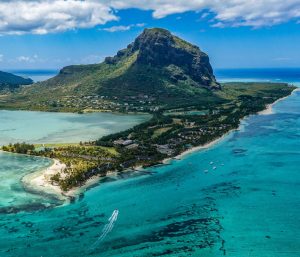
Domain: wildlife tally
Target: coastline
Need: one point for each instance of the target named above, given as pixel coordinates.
(200, 147)
(269, 108)
(40, 181)
(267, 111)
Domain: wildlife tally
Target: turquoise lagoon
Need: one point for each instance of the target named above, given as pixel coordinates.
(248, 206)
(39, 127)
(47, 127)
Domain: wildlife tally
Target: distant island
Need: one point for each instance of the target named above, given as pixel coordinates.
(10, 82)
(159, 74)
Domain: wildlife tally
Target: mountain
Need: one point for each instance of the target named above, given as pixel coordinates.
(157, 66)
(173, 58)
(10, 81)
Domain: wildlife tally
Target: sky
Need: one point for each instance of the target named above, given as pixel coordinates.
(51, 34)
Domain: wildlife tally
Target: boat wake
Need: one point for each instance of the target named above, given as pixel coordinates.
(107, 228)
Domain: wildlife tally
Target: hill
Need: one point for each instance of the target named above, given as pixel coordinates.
(10, 81)
(158, 69)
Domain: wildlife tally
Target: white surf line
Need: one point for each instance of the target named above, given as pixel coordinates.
(107, 228)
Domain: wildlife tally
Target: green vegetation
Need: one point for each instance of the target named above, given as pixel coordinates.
(157, 71)
(166, 135)
(82, 162)
(159, 74)
(10, 82)
(21, 148)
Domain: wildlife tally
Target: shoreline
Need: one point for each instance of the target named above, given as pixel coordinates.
(39, 181)
(269, 108)
(200, 147)
(267, 111)
(84, 111)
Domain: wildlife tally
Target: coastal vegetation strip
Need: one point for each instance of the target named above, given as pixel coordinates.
(169, 133)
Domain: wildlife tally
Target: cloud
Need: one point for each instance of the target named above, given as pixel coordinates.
(124, 28)
(28, 59)
(1, 57)
(23, 58)
(42, 17)
(279, 59)
(204, 15)
(50, 16)
(254, 13)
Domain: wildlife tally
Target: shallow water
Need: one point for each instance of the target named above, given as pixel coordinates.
(46, 127)
(12, 194)
(249, 205)
(39, 127)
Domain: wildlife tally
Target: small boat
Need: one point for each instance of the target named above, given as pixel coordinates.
(214, 167)
(114, 215)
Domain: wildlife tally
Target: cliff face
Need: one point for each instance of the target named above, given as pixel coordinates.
(158, 48)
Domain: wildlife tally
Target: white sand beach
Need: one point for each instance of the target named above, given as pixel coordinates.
(40, 181)
(269, 109)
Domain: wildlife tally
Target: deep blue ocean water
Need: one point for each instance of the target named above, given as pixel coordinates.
(289, 75)
(248, 206)
(272, 74)
(35, 75)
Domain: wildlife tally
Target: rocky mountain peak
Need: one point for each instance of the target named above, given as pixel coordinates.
(159, 48)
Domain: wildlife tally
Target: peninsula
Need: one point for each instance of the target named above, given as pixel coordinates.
(158, 73)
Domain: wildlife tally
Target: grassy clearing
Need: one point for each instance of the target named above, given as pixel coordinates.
(160, 131)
